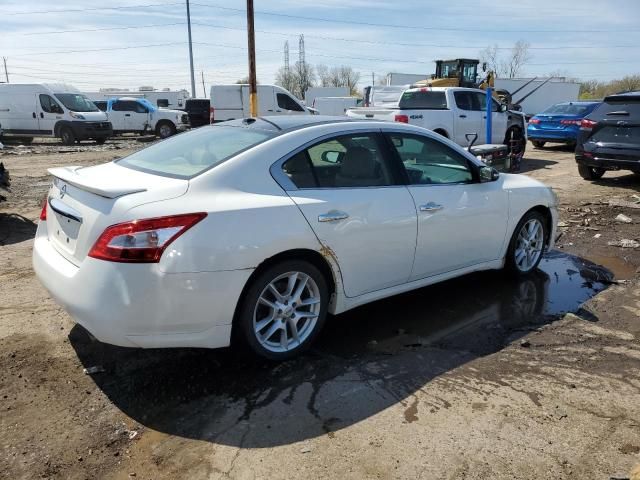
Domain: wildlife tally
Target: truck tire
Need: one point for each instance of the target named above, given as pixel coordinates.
(165, 129)
(67, 136)
(100, 141)
(538, 143)
(590, 173)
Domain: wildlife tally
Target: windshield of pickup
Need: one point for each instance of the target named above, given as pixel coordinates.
(76, 102)
(423, 100)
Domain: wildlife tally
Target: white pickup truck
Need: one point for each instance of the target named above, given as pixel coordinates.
(138, 115)
(453, 112)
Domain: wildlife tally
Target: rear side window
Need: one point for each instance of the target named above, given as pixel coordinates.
(189, 154)
(162, 102)
(288, 103)
(124, 106)
(348, 161)
(622, 109)
(426, 100)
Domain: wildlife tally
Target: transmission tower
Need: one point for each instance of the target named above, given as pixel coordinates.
(301, 50)
(286, 57)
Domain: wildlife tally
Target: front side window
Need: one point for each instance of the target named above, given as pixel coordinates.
(76, 102)
(428, 161)
(49, 105)
(191, 153)
(140, 108)
(348, 161)
(481, 100)
(287, 103)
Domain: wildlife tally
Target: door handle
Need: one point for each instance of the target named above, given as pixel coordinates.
(430, 207)
(463, 116)
(34, 114)
(127, 114)
(41, 115)
(270, 110)
(333, 216)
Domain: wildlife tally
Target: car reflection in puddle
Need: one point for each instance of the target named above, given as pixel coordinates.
(478, 312)
(364, 362)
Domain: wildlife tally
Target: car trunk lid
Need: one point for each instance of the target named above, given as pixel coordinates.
(83, 201)
(558, 122)
(615, 139)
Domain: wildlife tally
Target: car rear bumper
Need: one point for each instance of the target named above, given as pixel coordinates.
(609, 164)
(84, 130)
(553, 136)
(138, 305)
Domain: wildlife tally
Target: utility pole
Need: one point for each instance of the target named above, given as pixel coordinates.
(253, 89)
(204, 90)
(6, 74)
(193, 78)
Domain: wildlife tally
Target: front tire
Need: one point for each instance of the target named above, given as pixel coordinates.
(66, 136)
(284, 310)
(165, 129)
(100, 141)
(527, 244)
(590, 173)
(538, 144)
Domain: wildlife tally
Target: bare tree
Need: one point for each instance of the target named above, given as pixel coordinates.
(510, 66)
(324, 77)
(286, 79)
(303, 78)
(342, 76)
(243, 80)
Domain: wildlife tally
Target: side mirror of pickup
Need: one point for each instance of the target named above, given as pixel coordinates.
(504, 107)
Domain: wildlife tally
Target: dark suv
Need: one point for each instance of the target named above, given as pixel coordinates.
(198, 111)
(609, 137)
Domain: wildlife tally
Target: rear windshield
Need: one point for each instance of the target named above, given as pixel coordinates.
(423, 100)
(625, 109)
(76, 102)
(191, 153)
(569, 109)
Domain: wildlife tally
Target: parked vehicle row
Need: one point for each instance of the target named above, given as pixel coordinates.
(347, 212)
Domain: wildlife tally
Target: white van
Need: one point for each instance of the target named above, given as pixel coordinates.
(333, 105)
(50, 110)
(229, 102)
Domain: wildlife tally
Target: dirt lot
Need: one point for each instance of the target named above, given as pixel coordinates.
(477, 378)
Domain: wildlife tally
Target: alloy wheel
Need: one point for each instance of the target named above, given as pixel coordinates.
(286, 312)
(529, 245)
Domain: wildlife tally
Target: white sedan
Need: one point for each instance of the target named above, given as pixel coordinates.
(260, 227)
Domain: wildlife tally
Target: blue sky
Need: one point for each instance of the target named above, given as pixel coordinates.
(146, 43)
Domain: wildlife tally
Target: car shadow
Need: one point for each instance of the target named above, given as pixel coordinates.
(630, 181)
(366, 360)
(15, 228)
(529, 164)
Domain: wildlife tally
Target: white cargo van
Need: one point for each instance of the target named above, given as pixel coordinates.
(334, 105)
(229, 102)
(50, 110)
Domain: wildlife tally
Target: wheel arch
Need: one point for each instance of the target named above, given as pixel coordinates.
(441, 131)
(545, 211)
(318, 259)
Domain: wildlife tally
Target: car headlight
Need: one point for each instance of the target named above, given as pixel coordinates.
(76, 115)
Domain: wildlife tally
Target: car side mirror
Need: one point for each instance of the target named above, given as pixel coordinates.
(488, 174)
(503, 107)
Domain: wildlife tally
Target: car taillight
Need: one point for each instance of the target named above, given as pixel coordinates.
(570, 122)
(534, 121)
(211, 114)
(401, 118)
(43, 212)
(142, 241)
(587, 124)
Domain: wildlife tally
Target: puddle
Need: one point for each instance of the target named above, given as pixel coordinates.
(621, 269)
(478, 312)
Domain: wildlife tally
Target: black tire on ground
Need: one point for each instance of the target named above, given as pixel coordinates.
(67, 136)
(165, 129)
(511, 262)
(538, 143)
(100, 141)
(590, 173)
(250, 304)
(26, 140)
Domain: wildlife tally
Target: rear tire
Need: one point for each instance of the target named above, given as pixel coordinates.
(165, 129)
(100, 141)
(26, 140)
(538, 144)
(287, 301)
(590, 173)
(527, 245)
(67, 136)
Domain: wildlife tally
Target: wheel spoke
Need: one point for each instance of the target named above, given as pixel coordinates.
(309, 301)
(299, 289)
(520, 254)
(291, 284)
(265, 321)
(275, 327)
(284, 341)
(276, 293)
(266, 302)
(294, 330)
(306, 314)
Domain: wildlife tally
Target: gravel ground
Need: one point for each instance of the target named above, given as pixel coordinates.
(476, 378)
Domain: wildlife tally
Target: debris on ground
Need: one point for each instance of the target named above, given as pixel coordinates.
(305, 449)
(597, 235)
(623, 218)
(525, 344)
(624, 243)
(94, 369)
(619, 202)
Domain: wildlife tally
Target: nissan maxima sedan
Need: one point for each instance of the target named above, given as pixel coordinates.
(258, 228)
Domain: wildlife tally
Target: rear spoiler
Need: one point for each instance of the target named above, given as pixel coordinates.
(72, 177)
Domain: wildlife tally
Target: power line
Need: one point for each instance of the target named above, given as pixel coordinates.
(55, 32)
(410, 27)
(69, 10)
